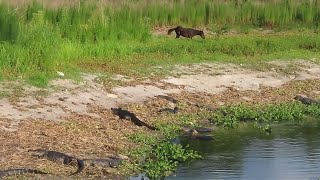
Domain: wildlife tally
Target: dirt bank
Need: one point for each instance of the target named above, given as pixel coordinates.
(74, 116)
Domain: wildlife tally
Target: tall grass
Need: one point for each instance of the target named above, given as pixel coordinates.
(36, 39)
(91, 22)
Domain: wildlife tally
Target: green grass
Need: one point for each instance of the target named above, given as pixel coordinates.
(42, 58)
(230, 116)
(35, 41)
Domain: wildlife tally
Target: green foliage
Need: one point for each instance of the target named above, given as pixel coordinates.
(168, 130)
(230, 116)
(39, 79)
(41, 43)
(9, 25)
(35, 39)
(162, 156)
(165, 157)
(282, 112)
(313, 110)
(143, 138)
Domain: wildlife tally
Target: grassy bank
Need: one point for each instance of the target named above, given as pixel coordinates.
(37, 41)
(162, 157)
(231, 116)
(41, 55)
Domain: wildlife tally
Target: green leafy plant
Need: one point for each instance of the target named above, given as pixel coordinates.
(230, 116)
(165, 158)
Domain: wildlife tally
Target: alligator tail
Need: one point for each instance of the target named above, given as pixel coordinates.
(149, 126)
(19, 171)
(80, 166)
(141, 123)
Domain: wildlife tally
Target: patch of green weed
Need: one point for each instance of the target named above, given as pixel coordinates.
(230, 116)
(165, 158)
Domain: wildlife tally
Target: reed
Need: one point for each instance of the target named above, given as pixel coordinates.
(37, 37)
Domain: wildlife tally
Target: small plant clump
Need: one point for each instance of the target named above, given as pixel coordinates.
(165, 157)
(161, 156)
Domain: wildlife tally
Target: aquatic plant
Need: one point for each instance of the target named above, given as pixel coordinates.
(231, 115)
(165, 157)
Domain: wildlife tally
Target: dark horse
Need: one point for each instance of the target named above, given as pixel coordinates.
(186, 32)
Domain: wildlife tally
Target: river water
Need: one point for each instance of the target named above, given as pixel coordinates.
(291, 152)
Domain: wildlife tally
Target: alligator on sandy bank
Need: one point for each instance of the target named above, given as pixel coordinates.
(306, 100)
(168, 98)
(108, 162)
(171, 99)
(186, 32)
(169, 110)
(60, 158)
(207, 107)
(124, 114)
(19, 171)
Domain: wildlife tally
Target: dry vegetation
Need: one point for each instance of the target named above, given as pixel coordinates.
(86, 137)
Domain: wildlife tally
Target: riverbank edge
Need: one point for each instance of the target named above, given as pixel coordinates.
(193, 111)
(294, 108)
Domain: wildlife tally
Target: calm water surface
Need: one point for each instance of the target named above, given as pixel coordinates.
(291, 152)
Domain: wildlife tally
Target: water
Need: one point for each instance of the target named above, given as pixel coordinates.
(291, 152)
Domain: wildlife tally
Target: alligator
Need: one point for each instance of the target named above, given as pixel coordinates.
(195, 135)
(59, 157)
(168, 98)
(124, 114)
(197, 129)
(209, 108)
(306, 100)
(171, 99)
(19, 171)
(192, 133)
(169, 110)
(202, 137)
(109, 162)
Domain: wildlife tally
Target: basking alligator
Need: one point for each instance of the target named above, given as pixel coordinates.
(168, 98)
(19, 171)
(171, 99)
(60, 158)
(124, 114)
(169, 110)
(209, 108)
(186, 32)
(109, 162)
(306, 100)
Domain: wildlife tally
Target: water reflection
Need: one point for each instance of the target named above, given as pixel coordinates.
(291, 152)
